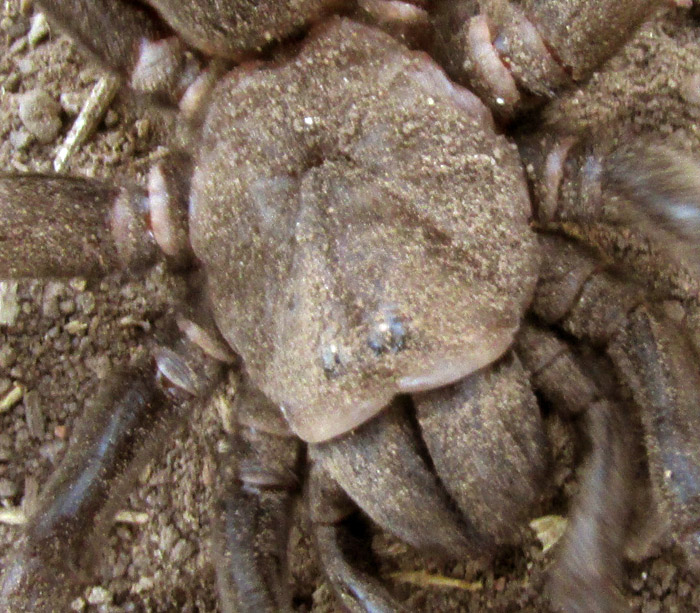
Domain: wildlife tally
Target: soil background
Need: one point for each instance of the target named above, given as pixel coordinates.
(59, 338)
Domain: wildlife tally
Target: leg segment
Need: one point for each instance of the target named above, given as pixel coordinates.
(657, 363)
(118, 434)
(587, 574)
(252, 529)
(487, 444)
(662, 369)
(128, 38)
(340, 551)
(58, 226)
(251, 518)
(111, 30)
(517, 55)
(52, 226)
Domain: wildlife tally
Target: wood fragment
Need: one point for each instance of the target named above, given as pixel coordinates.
(131, 517)
(88, 119)
(424, 579)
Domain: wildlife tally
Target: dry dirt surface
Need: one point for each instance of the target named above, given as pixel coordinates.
(58, 339)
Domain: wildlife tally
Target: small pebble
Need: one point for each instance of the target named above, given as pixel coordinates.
(21, 139)
(144, 584)
(78, 604)
(52, 451)
(34, 414)
(168, 537)
(690, 89)
(143, 127)
(9, 303)
(11, 83)
(67, 307)
(11, 398)
(111, 119)
(7, 488)
(86, 303)
(8, 356)
(99, 595)
(40, 114)
(183, 549)
(39, 29)
(75, 326)
(49, 301)
(14, 27)
(71, 102)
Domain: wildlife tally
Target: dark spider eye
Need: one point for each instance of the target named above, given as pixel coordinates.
(388, 333)
(332, 359)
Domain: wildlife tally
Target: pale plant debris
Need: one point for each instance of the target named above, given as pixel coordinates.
(422, 578)
(549, 529)
(13, 516)
(75, 327)
(131, 517)
(129, 321)
(11, 398)
(88, 119)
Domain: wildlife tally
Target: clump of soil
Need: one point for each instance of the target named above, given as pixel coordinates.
(59, 338)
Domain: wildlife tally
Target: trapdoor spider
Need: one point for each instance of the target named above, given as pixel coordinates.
(350, 223)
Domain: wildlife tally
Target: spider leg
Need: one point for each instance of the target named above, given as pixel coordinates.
(56, 226)
(588, 571)
(62, 226)
(341, 552)
(258, 479)
(655, 361)
(587, 574)
(518, 55)
(661, 366)
(406, 473)
(117, 435)
(129, 39)
(383, 467)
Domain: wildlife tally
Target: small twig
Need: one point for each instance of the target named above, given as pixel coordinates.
(131, 517)
(89, 117)
(15, 516)
(424, 579)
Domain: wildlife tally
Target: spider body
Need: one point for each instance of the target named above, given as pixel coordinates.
(345, 275)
